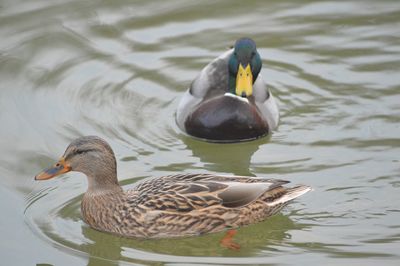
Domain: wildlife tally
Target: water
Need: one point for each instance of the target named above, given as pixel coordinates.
(117, 70)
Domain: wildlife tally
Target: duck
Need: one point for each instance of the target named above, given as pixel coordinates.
(229, 101)
(177, 205)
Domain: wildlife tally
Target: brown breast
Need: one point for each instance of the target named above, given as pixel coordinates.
(227, 119)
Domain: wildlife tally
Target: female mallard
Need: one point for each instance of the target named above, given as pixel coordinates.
(169, 206)
(229, 101)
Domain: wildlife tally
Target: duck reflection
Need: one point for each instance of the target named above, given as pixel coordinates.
(229, 158)
(103, 248)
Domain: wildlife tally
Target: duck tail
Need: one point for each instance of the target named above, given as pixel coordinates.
(291, 194)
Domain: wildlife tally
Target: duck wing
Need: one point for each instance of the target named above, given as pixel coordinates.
(212, 81)
(185, 193)
(213, 78)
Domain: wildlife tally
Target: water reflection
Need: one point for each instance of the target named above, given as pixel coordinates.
(225, 157)
(253, 239)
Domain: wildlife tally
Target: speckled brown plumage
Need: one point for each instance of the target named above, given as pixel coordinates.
(169, 206)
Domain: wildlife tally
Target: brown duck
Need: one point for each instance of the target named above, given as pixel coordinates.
(170, 206)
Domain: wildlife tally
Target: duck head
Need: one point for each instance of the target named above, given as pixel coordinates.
(91, 156)
(244, 66)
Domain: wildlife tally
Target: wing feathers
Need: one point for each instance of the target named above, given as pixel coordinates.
(290, 194)
(241, 194)
(186, 193)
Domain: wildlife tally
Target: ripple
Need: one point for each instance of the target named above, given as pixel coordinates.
(118, 70)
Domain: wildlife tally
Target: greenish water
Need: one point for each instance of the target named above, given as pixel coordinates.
(118, 70)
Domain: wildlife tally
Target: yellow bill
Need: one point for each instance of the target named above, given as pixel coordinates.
(244, 81)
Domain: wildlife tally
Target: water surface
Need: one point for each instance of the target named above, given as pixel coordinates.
(118, 70)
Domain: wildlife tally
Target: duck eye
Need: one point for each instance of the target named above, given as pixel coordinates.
(80, 151)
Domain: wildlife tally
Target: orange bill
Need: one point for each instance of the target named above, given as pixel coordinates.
(59, 168)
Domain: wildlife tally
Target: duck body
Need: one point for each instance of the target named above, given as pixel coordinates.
(186, 205)
(217, 108)
(170, 206)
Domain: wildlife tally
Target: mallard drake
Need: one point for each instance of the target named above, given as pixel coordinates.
(229, 101)
(170, 206)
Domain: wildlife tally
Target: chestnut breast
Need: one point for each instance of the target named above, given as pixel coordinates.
(226, 119)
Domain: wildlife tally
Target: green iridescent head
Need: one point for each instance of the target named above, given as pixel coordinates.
(244, 66)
